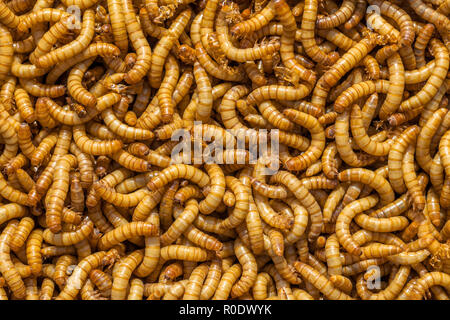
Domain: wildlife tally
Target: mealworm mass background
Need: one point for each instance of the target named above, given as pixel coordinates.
(353, 94)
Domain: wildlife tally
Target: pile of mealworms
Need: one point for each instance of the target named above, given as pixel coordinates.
(349, 198)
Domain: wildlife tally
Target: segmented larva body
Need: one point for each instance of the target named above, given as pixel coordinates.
(237, 54)
(70, 237)
(194, 286)
(395, 157)
(249, 269)
(7, 268)
(62, 264)
(139, 43)
(256, 22)
(178, 171)
(317, 144)
(320, 282)
(167, 88)
(308, 41)
(122, 274)
(226, 282)
(205, 99)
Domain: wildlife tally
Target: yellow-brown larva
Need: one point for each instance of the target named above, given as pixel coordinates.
(208, 149)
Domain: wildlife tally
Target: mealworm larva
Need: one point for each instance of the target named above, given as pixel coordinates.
(167, 88)
(58, 192)
(75, 86)
(175, 292)
(411, 181)
(332, 202)
(179, 171)
(8, 17)
(93, 147)
(24, 105)
(32, 291)
(126, 231)
(371, 178)
(118, 127)
(229, 199)
(338, 17)
(15, 164)
(424, 139)
(249, 269)
(115, 9)
(118, 199)
(182, 252)
(342, 283)
(41, 152)
(205, 99)
(332, 254)
(238, 54)
(317, 140)
(164, 45)
(76, 193)
(7, 268)
(12, 194)
(33, 251)
(80, 274)
(276, 192)
(241, 206)
(7, 92)
(194, 286)
(108, 51)
(122, 274)
(420, 285)
(139, 43)
(181, 223)
(88, 292)
(309, 44)
(62, 264)
(264, 287)
(25, 181)
(73, 48)
(320, 282)
(434, 81)
(395, 92)
(136, 289)
(130, 162)
(401, 17)
(430, 15)
(318, 182)
(270, 112)
(256, 22)
(53, 251)
(227, 281)
(21, 234)
(305, 198)
(70, 237)
(344, 219)
(47, 289)
(421, 43)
